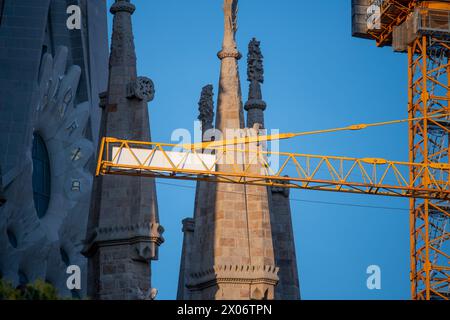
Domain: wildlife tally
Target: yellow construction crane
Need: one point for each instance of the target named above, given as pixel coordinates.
(200, 161)
(420, 28)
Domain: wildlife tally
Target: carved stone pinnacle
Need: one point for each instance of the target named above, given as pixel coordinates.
(122, 6)
(255, 71)
(142, 88)
(206, 107)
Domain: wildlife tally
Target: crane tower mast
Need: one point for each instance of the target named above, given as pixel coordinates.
(421, 29)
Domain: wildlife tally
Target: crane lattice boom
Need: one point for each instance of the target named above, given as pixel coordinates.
(301, 171)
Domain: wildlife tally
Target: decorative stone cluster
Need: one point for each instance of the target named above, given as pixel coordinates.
(142, 88)
(255, 70)
(206, 107)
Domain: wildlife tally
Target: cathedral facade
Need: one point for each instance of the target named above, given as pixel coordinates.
(50, 80)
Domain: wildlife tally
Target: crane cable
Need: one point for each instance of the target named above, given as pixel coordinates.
(344, 204)
(284, 136)
(360, 126)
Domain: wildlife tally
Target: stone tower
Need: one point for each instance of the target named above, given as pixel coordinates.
(229, 241)
(124, 232)
(240, 243)
(288, 287)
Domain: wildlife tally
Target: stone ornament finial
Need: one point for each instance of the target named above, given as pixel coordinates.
(255, 74)
(229, 47)
(122, 6)
(255, 70)
(231, 10)
(142, 88)
(206, 107)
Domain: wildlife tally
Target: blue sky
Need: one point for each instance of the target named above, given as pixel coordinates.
(316, 76)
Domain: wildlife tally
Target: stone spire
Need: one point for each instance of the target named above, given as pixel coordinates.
(231, 254)
(229, 108)
(255, 73)
(124, 232)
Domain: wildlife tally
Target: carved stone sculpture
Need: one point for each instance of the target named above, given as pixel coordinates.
(255, 73)
(143, 89)
(206, 107)
(59, 124)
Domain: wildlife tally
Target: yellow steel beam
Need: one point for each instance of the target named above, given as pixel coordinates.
(301, 171)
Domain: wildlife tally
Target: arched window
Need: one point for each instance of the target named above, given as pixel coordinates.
(41, 175)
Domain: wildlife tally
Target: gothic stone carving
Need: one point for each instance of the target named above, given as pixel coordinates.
(255, 71)
(206, 107)
(143, 89)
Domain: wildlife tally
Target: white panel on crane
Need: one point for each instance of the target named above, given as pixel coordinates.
(163, 159)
